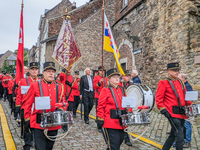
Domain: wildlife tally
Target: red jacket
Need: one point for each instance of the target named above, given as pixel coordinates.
(122, 85)
(10, 86)
(20, 98)
(63, 78)
(48, 90)
(98, 86)
(5, 81)
(1, 76)
(76, 91)
(166, 98)
(106, 102)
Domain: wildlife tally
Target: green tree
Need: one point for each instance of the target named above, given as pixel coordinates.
(25, 57)
(4, 65)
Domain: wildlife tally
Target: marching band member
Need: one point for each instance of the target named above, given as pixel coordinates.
(76, 94)
(125, 83)
(98, 83)
(10, 87)
(1, 86)
(21, 100)
(33, 120)
(170, 100)
(67, 81)
(109, 109)
(5, 81)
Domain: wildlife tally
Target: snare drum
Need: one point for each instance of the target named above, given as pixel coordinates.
(192, 110)
(56, 118)
(143, 95)
(135, 119)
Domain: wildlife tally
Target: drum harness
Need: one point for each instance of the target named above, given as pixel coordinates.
(57, 137)
(119, 113)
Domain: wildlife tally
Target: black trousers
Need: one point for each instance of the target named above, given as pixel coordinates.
(88, 103)
(41, 141)
(174, 135)
(22, 121)
(115, 138)
(28, 134)
(5, 93)
(76, 103)
(1, 90)
(70, 107)
(9, 99)
(96, 104)
(126, 137)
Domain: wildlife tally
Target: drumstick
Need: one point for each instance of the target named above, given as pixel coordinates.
(172, 123)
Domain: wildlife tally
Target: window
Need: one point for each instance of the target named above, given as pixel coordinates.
(123, 65)
(125, 3)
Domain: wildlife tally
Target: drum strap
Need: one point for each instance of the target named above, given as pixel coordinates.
(40, 86)
(41, 92)
(27, 81)
(175, 91)
(117, 106)
(56, 92)
(111, 89)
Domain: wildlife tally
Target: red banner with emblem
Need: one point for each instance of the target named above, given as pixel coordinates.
(20, 52)
(66, 51)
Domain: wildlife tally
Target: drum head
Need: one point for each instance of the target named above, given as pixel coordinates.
(136, 92)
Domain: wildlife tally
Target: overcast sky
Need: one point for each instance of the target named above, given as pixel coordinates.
(10, 20)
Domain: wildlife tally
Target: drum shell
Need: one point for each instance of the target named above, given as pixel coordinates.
(192, 110)
(144, 97)
(135, 119)
(57, 118)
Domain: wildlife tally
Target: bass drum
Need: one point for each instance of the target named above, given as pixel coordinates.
(143, 96)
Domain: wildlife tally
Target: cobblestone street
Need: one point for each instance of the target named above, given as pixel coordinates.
(86, 137)
(82, 136)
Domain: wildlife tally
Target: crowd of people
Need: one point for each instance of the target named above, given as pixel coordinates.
(104, 90)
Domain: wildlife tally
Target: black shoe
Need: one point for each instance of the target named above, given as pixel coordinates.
(128, 143)
(99, 130)
(32, 144)
(186, 145)
(74, 116)
(21, 136)
(18, 124)
(86, 122)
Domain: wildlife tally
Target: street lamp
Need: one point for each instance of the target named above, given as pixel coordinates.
(126, 26)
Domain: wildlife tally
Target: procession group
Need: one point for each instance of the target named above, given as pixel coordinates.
(105, 91)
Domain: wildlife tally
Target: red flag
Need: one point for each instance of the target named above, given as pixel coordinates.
(20, 52)
(66, 51)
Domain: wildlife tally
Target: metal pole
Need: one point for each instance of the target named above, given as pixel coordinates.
(102, 34)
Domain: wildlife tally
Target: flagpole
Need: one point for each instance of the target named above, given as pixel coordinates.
(66, 17)
(102, 35)
(22, 6)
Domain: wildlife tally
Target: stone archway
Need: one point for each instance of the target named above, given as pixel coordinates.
(130, 47)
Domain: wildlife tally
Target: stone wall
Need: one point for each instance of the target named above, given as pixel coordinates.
(168, 32)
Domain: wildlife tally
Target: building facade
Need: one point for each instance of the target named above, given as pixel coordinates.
(148, 33)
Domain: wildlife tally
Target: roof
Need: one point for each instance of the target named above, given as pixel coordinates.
(12, 57)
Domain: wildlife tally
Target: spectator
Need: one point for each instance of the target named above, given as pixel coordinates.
(135, 78)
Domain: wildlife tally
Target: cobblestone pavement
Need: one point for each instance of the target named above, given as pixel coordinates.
(159, 128)
(82, 136)
(86, 137)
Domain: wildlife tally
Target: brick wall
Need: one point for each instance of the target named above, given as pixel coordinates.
(120, 11)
